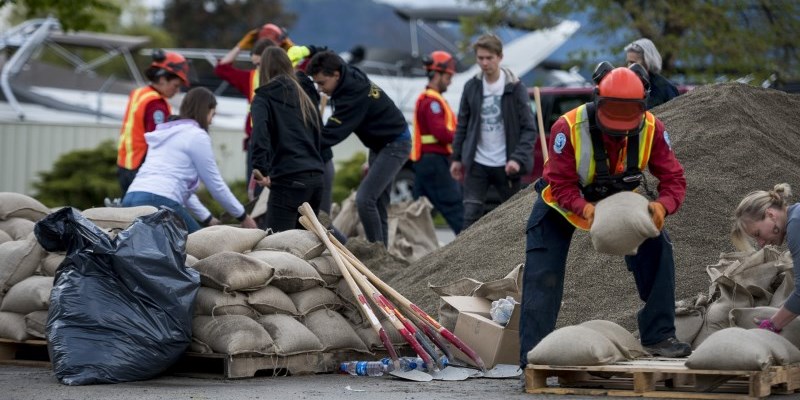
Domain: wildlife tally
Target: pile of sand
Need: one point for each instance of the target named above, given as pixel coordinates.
(731, 139)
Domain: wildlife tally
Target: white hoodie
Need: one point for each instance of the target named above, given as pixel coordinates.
(179, 156)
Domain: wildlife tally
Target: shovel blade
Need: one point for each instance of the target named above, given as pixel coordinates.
(451, 374)
(501, 371)
(412, 375)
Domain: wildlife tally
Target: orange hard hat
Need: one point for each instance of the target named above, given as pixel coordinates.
(621, 97)
(172, 62)
(272, 32)
(440, 61)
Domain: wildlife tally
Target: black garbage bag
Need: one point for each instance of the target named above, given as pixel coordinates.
(121, 309)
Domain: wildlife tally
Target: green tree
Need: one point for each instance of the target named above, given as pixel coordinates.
(73, 14)
(219, 23)
(699, 38)
(348, 176)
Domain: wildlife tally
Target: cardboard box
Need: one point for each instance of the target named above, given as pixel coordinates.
(494, 343)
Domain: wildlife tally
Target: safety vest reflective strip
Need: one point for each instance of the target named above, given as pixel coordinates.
(132, 146)
(418, 138)
(254, 77)
(580, 136)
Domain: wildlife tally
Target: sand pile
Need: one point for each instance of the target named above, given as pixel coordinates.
(730, 138)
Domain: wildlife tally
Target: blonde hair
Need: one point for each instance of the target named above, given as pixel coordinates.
(753, 208)
(274, 63)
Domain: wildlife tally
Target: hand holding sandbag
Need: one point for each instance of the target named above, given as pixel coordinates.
(658, 212)
(588, 213)
(768, 325)
(621, 223)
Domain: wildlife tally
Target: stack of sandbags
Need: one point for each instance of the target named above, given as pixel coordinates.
(738, 280)
(270, 295)
(24, 298)
(743, 350)
(595, 342)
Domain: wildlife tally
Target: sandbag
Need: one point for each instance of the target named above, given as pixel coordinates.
(116, 217)
(621, 223)
(716, 316)
(373, 341)
(191, 260)
(215, 302)
(300, 242)
(17, 228)
(12, 326)
(574, 345)
(784, 290)
(229, 271)
(32, 294)
(746, 317)
(290, 336)
(347, 221)
(36, 324)
(333, 331)
(50, 263)
(314, 299)
(411, 231)
(292, 273)
(5, 237)
(625, 342)
(16, 205)
(688, 325)
(218, 238)
(731, 349)
(271, 300)
(232, 334)
(327, 269)
(783, 351)
(18, 260)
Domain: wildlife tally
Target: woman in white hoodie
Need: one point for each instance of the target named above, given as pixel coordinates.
(179, 156)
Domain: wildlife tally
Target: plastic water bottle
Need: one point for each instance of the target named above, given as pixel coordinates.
(364, 368)
(409, 363)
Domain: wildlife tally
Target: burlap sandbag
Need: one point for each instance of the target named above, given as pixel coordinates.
(575, 345)
(784, 290)
(232, 334)
(12, 326)
(299, 242)
(4, 237)
(32, 294)
(626, 343)
(716, 316)
(373, 341)
(50, 263)
(16, 205)
(333, 331)
(230, 271)
(326, 268)
(18, 260)
(17, 228)
(291, 336)
(731, 349)
(411, 231)
(116, 217)
(347, 221)
(197, 346)
(783, 351)
(621, 223)
(314, 299)
(219, 238)
(688, 325)
(191, 260)
(509, 285)
(36, 324)
(271, 300)
(746, 318)
(215, 302)
(292, 273)
(352, 314)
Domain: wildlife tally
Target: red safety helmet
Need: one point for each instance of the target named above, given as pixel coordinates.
(620, 98)
(440, 61)
(272, 32)
(173, 63)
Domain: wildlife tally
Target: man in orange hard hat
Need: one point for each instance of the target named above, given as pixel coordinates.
(434, 127)
(596, 150)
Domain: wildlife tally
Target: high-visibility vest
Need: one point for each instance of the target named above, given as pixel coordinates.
(254, 81)
(132, 146)
(581, 139)
(419, 138)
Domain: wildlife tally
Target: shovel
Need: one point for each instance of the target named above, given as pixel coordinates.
(451, 374)
(412, 375)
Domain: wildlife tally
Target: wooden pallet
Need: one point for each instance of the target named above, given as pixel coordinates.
(661, 377)
(29, 353)
(249, 365)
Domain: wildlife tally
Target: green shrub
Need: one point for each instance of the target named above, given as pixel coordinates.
(348, 176)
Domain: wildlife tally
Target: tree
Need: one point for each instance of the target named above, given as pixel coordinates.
(73, 14)
(701, 39)
(219, 23)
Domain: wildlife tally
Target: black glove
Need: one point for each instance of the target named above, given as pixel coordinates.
(315, 49)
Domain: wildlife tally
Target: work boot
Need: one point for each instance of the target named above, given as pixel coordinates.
(669, 347)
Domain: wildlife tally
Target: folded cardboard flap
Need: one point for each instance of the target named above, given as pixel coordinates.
(494, 343)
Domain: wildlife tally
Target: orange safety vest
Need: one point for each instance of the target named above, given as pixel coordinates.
(132, 146)
(581, 139)
(419, 138)
(254, 80)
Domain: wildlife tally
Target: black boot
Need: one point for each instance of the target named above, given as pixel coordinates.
(669, 347)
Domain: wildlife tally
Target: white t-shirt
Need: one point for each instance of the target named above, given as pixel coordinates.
(491, 150)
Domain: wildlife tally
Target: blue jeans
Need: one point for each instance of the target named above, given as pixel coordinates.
(432, 179)
(133, 199)
(476, 185)
(372, 198)
(548, 239)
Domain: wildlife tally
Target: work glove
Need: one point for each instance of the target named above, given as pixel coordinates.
(315, 49)
(588, 213)
(658, 212)
(247, 41)
(768, 325)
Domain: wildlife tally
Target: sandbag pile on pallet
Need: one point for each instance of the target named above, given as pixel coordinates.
(272, 295)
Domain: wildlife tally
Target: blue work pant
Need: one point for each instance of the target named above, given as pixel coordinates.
(432, 179)
(133, 199)
(548, 239)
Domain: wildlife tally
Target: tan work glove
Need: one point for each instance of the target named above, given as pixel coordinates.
(658, 212)
(247, 41)
(588, 213)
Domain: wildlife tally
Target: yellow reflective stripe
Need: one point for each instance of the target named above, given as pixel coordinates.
(254, 81)
(429, 139)
(576, 220)
(646, 140)
(418, 138)
(134, 115)
(297, 54)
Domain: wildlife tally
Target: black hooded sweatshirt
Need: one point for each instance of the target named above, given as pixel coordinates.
(282, 144)
(361, 107)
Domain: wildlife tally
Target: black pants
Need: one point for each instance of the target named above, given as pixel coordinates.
(476, 186)
(286, 194)
(125, 178)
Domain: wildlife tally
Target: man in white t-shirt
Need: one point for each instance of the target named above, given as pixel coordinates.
(495, 133)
